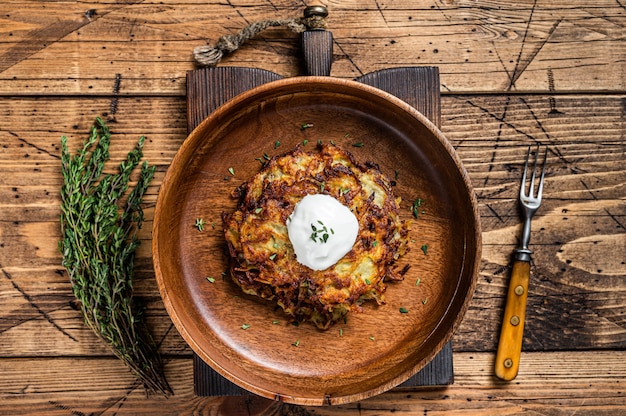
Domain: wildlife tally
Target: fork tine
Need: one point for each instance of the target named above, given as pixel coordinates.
(522, 188)
(531, 190)
(543, 172)
(533, 177)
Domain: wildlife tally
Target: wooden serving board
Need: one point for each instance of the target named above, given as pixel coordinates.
(209, 88)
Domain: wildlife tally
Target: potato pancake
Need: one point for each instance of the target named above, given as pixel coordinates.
(262, 259)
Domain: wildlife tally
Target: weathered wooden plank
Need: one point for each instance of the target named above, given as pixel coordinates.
(42, 322)
(571, 305)
(476, 125)
(577, 295)
(62, 62)
(530, 46)
(546, 385)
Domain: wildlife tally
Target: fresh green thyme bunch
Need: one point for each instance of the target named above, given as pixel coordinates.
(99, 223)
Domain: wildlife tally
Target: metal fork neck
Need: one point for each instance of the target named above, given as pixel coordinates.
(523, 253)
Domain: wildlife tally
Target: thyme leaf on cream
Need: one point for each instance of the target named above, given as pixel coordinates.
(320, 232)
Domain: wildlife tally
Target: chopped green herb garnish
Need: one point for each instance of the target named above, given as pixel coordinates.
(368, 281)
(404, 310)
(305, 126)
(346, 135)
(245, 326)
(297, 343)
(340, 332)
(322, 186)
(199, 224)
(231, 171)
(375, 243)
(417, 282)
(211, 279)
(320, 232)
(414, 207)
(372, 338)
(272, 256)
(304, 142)
(276, 144)
(425, 300)
(258, 210)
(275, 322)
(358, 144)
(425, 248)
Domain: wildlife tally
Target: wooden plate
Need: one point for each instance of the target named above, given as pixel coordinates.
(251, 342)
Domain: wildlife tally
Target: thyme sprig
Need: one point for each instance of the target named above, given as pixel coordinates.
(99, 224)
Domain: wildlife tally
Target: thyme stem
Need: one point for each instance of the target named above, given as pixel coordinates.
(99, 224)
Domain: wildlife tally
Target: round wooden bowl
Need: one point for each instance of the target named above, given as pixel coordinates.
(250, 341)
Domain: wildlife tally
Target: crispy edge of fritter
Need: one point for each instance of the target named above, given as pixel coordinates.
(296, 296)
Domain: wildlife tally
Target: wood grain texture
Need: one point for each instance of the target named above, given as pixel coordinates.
(513, 320)
(207, 89)
(512, 74)
(577, 290)
(73, 48)
(210, 316)
(102, 385)
(437, 373)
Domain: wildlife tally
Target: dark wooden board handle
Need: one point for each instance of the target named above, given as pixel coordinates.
(317, 47)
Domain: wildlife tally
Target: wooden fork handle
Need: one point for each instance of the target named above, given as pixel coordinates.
(512, 331)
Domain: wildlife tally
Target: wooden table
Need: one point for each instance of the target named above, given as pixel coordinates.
(512, 74)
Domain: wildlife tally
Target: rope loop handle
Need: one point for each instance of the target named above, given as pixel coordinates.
(314, 18)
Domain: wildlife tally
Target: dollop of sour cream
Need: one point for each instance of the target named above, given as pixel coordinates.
(322, 230)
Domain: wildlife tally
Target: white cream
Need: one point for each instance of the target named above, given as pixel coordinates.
(322, 230)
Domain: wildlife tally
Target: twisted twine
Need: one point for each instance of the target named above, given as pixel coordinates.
(211, 55)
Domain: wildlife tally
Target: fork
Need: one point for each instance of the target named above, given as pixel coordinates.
(512, 330)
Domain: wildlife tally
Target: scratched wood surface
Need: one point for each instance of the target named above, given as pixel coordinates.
(512, 74)
(77, 48)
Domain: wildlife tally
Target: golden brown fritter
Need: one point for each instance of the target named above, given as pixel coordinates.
(262, 259)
